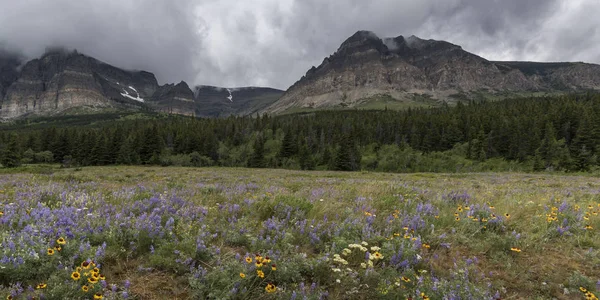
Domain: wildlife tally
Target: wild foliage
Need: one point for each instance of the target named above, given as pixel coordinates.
(552, 133)
(220, 233)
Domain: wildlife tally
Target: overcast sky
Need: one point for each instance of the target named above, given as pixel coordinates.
(274, 42)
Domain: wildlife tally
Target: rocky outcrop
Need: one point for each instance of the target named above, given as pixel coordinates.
(175, 99)
(365, 66)
(9, 63)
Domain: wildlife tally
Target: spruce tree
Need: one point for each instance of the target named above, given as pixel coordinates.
(257, 160)
(11, 157)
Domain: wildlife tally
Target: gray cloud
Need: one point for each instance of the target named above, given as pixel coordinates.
(273, 42)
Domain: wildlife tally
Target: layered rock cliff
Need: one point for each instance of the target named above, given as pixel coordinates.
(365, 66)
(60, 81)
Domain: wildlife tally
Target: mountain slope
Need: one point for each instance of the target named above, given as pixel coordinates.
(62, 82)
(218, 102)
(366, 67)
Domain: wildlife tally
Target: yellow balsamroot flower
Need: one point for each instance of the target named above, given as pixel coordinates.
(61, 241)
(92, 280)
(85, 288)
(426, 246)
(589, 227)
(96, 270)
(258, 264)
(425, 297)
(457, 219)
(41, 286)
(582, 289)
(273, 268)
(248, 259)
(58, 248)
(270, 288)
(79, 269)
(102, 277)
(50, 251)
(405, 279)
(515, 249)
(242, 275)
(85, 265)
(98, 296)
(75, 275)
(507, 216)
(260, 274)
(1, 213)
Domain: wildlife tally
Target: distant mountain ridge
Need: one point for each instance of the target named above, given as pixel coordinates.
(366, 66)
(62, 80)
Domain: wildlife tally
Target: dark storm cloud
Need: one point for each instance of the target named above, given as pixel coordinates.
(273, 42)
(157, 35)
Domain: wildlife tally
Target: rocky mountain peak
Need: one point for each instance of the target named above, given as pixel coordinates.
(365, 67)
(360, 42)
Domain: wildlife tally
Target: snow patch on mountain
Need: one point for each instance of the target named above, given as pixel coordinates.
(127, 95)
(230, 97)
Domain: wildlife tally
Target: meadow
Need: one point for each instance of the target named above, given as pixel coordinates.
(229, 233)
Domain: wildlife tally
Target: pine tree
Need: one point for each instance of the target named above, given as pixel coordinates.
(11, 153)
(288, 146)
(257, 160)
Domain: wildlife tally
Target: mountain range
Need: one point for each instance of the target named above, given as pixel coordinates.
(365, 72)
(367, 69)
(64, 82)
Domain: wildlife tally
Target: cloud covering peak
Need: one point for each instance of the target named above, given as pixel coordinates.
(274, 42)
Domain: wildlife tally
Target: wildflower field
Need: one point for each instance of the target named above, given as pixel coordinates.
(217, 233)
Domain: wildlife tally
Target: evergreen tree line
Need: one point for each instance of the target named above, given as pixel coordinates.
(552, 133)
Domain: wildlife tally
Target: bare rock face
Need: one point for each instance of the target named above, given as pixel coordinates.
(175, 99)
(60, 81)
(365, 65)
(9, 63)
